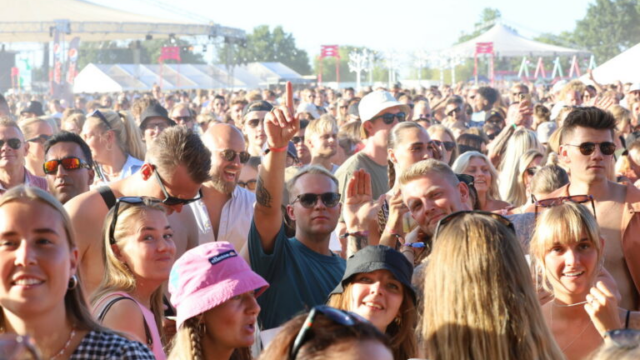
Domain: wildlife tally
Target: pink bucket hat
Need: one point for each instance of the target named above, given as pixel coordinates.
(207, 276)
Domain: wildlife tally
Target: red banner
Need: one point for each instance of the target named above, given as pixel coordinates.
(170, 53)
(484, 48)
(329, 51)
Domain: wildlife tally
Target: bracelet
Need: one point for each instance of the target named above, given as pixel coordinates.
(514, 126)
(356, 234)
(281, 149)
(391, 231)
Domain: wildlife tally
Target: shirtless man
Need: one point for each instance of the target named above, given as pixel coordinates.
(229, 207)
(177, 164)
(586, 146)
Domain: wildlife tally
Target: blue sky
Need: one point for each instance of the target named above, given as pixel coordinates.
(399, 25)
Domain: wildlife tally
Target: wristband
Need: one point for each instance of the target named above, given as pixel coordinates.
(391, 231)
(281, 149)
(356, 234)
(514, 126)
(416, 245)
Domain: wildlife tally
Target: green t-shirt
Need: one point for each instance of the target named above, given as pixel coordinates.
(379, 177)
(299, 278)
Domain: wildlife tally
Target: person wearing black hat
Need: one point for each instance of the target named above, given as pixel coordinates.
(253, 125)
(33, 109)
(155, 119)
(377, 286)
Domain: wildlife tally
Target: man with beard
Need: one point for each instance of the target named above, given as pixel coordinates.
(224, 213)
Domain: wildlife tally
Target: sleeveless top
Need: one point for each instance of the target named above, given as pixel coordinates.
(150, 323)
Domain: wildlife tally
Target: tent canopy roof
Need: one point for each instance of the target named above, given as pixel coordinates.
(92, 22)
(623, 67)
(508, 43)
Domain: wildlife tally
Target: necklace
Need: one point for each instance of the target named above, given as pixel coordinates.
(66, 345)
(579, 335)
(568, 305)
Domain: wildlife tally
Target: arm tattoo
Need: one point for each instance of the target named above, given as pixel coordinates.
(263, 197)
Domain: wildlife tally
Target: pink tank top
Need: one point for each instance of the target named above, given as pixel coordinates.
(157, 349)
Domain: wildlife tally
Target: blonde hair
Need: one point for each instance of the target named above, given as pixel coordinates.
(563, 224)
(128, 136)
(27, 126)
(324, 124)
(401, 334)
(427, 167)
(74, 300)
(462, 162)
(76, 119)
(479, 300)
(522, 141)
(117, 275)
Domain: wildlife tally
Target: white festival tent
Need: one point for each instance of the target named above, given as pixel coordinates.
(507, 43)
(129, 77)
(35, 21)
(624, 67)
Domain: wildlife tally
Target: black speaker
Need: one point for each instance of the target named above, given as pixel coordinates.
(7, 61)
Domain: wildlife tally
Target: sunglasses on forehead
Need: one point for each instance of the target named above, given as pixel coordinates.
(69, 163)
(99, 115)
(587, 148)
(557, 201)
(388, 119)
(344, 318)
(132, 201)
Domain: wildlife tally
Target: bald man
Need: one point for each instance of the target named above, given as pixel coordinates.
(226, 210)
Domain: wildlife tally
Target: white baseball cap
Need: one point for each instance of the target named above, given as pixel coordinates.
(377, 101)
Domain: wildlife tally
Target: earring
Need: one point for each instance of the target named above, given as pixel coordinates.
(398, 320)
(73, 282)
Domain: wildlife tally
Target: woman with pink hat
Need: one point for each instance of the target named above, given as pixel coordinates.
(214, 292)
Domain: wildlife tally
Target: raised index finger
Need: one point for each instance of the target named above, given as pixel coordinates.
(289, 97)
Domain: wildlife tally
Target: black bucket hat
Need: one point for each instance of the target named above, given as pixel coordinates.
(34, 107)
(379, 257)
(155, 110)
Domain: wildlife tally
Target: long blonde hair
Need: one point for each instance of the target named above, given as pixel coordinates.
(74, 300)
(401, 334)
(513, 189)
(462, 162)
(479, 300)
(563, 224)
(128, 137)
(117, 275)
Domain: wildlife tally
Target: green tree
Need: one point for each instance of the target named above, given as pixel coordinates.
(487, 18)
(264, 45)
(610, 27)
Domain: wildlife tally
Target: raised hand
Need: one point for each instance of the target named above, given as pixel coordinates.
(280, 124)
(359, 206)
(602, 307)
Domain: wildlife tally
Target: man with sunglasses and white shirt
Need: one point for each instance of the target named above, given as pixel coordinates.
(587, 148)
(379, 112)
(176, 165)
(13, 150)
(301, 271)
(224, 213)
(68, 166)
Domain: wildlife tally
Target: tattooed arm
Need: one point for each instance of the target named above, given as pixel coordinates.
(280, 126)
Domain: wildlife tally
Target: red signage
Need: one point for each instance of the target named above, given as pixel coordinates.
(170, 53)
(329, 51)
(484, 48)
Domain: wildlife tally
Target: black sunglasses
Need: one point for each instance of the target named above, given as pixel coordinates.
(454, 111)
(230, 155)
(345, 318)
(99, 115)
(131, 200)
(388, 119)
(445, 220)
(551, 202)
(531, 171)
(170, 200)
(448, 145)
(250, 184)
(297, 139)
(492, 135)
(183, 118)
(624, 338)
(50, 167)
(13, 143)
(309, 200)
(42, 138)
(587, 148)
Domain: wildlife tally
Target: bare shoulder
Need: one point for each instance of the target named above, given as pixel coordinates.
(86, 205)
(125, 316)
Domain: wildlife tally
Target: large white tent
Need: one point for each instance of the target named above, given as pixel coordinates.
(34, 21)
(624, 67)
(129, 77)
(507, 43)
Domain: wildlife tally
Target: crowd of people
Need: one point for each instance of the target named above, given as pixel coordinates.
(450, 222)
